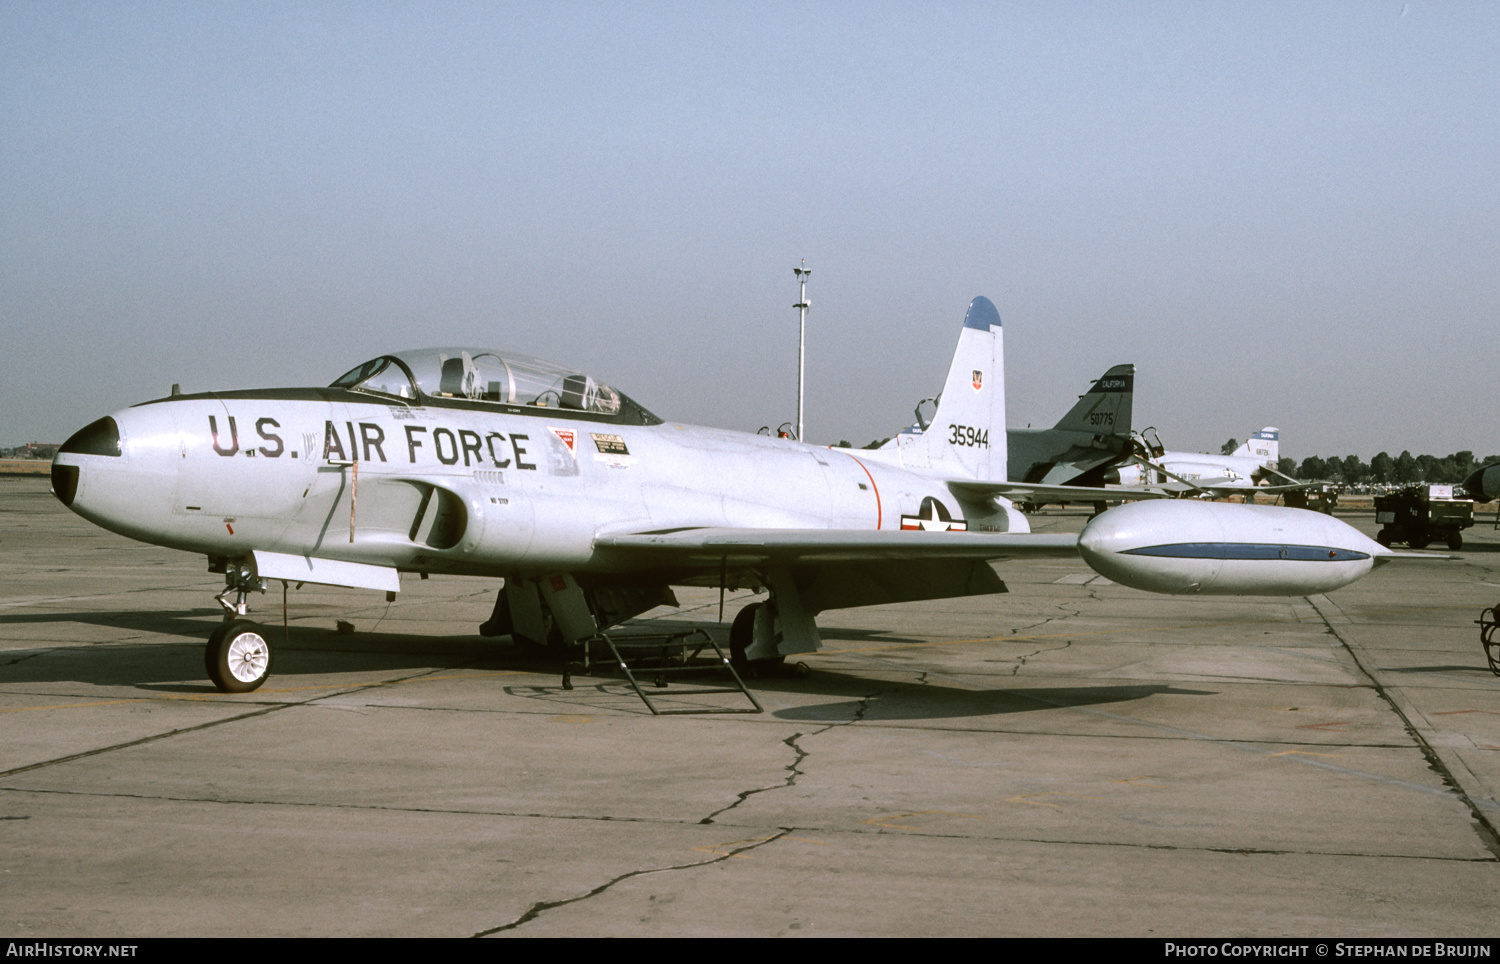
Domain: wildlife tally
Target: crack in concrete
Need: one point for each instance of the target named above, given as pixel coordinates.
(794, 769)
(1020, 661)
(541, 907)
(859, 712)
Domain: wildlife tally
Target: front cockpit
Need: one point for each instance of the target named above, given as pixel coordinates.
(482, 378)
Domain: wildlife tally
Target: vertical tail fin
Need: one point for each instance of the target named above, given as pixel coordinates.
(1105, 408)
(967, 436)
(1264, 446)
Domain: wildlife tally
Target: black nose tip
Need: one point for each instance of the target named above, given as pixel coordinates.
(65, 483)
(96, 438)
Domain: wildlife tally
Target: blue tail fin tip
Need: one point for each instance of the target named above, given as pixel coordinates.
(982, 314)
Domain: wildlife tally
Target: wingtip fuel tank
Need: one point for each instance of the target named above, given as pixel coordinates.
(1211, 548)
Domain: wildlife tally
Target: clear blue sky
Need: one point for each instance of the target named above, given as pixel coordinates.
(1284, 214)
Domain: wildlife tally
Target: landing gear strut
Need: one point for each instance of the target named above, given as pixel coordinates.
(238, 656)
(241, 580)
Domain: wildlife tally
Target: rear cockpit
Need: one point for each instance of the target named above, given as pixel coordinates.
(481, 378)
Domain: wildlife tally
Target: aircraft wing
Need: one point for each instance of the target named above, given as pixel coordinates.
(1033, 491)
(1225, 487)
(708, 546)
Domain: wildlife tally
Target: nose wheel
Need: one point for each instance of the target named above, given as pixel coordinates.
(238, 656)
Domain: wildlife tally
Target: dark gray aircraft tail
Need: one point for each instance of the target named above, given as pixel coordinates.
(1105, 408)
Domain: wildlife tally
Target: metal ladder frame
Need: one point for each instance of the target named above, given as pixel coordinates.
(688, 666)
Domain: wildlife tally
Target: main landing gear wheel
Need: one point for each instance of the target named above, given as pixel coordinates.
(741, 634)
(238, 657)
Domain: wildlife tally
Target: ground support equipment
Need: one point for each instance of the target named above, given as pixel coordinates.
(660, 655)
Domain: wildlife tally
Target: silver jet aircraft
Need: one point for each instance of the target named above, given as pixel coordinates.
(1252, 468)
(484, 463)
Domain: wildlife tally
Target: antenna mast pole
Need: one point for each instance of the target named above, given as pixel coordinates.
(801, 306)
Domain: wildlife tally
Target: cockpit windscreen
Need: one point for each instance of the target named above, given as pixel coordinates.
(485, 376)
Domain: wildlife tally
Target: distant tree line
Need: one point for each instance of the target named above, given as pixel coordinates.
(1384, 468)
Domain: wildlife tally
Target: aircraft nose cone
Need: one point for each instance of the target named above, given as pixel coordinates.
(99, 438)
(116, 471)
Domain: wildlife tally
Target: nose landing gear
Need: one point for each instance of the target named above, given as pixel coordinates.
(238, 656)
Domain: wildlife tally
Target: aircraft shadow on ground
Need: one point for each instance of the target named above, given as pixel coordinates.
(866, 636)
(882, 701)
(176, 666)
(1478, 669)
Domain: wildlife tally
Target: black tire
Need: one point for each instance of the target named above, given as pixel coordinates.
(499, 623)
(741, 632)
(741, 635)
(238, 656)
(1384, 537)
(551, 643)
(1455, 539)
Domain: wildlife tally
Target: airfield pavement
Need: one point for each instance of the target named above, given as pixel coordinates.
(1072, 758)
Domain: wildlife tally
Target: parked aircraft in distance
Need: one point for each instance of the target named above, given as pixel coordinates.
(1087, 446)
(1252, 468)
(1082, 452)
(477, 462)
(1082, 449)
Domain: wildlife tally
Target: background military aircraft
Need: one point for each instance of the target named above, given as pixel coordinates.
(1080, 450)
(1251, 467)
(477, 462)
(1087, 445)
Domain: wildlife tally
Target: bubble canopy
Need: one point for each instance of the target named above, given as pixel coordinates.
(484, 378)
